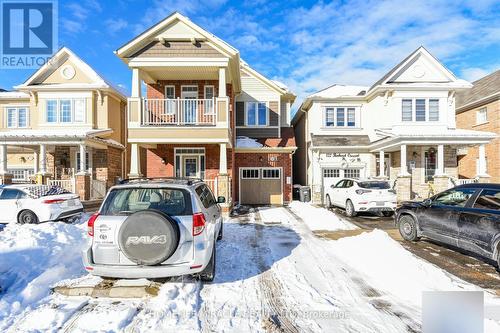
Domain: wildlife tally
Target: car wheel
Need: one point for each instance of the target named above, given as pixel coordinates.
(208, 274)
(387, 214)
(408, 228)
(219, 236)
(349, 209)
(328, 202)
(27, 217)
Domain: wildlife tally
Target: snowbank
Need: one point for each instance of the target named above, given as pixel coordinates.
(33, 258)
(318, 218)
(246, 142)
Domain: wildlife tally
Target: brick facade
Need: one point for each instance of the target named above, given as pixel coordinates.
(467, 163)
(283, 160)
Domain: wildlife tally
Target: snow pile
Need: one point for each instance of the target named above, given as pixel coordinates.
(246, 142)
(274, 215)
(386, 265)
(33, 258)
(318, 218)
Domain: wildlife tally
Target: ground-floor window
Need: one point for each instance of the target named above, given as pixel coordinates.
(21, 175)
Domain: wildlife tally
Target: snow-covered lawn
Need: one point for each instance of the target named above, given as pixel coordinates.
(270, 277)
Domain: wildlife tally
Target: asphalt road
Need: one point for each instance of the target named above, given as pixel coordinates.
(467, 266)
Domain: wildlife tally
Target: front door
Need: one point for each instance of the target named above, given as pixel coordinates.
(189, 96)
(191, 166)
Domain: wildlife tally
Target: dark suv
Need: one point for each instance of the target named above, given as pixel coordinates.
(466, 216)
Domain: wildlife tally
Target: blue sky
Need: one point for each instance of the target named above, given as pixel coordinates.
(307, 45)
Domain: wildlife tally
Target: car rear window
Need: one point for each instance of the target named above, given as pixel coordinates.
(126, 201)
(375, 185)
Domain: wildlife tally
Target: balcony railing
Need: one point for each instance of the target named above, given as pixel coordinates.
(191, 112)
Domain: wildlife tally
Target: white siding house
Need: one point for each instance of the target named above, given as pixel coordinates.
(406, 119)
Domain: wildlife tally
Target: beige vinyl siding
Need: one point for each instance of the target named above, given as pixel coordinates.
(274, 118)
(255, 90)
(177, 50)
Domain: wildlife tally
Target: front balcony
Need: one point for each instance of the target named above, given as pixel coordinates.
(179, 112)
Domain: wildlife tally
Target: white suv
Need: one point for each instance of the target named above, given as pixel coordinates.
(152, 228)
(355, 196)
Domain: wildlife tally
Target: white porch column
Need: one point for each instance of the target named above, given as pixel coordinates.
(35, 162)
(223, 159)
(135, 161)
(482, 161)
(403, 165)
(3, 159)
(91, 159)
(381, 157)
(136, 83)
(43, 159)
(83, 161)
(440, 161)
(222, 82)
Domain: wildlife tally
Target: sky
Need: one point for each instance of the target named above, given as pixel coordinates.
(308, 45)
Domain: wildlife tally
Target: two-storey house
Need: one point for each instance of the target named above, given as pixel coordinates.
(198, 110)
(401, 128)
(63, 112)
(479, 109)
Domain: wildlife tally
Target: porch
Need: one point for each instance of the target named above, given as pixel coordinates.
(208, 162)
(60, 163)
(421, 168)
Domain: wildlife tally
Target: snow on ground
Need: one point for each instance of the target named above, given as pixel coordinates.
(270, 277)
(246, 142)
(318, 218)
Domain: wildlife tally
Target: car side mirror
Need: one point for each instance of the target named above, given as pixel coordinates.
(221, 200)
(427, 202)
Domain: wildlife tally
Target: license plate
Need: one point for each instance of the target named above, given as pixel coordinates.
(380, 203)
(70, 202)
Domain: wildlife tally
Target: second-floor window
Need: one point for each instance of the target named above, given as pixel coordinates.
(66, 110)
(256, 114)
(340, 117)
(17, 117)
(420, 109)
(481, 116)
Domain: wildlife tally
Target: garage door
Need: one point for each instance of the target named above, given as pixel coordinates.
(261, 186)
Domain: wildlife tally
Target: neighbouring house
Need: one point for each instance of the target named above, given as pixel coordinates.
(64, 111)
(478, 108)
(207, 114)
(402, 128)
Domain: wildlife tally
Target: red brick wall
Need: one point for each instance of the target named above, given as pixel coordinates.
(160, 161)
(283, 160)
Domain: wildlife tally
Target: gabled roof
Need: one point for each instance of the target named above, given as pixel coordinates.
(482, 91)
(144, 38)
(97, 81)
(275, 85)
(391, 76)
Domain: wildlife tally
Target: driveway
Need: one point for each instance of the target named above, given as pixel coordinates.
(467, 266)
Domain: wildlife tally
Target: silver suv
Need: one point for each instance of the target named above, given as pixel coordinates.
(152, 228)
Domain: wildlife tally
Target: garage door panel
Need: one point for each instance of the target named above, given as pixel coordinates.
(261, 191)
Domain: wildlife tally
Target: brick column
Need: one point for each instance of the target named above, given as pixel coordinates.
(403, 188)
(5, 179)
(441, 183)
(83, 186)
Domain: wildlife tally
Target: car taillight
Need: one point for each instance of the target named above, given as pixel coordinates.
(53, 201)
(359, 191)
(198, 223)
(90, 224)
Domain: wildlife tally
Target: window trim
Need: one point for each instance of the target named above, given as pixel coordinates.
(480, 110)
(346, 116)
(72, 111)
(414, 110)
(16, 122)
(256, 103)
(165, 90)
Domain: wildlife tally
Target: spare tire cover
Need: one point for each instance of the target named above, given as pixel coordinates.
(148, 237)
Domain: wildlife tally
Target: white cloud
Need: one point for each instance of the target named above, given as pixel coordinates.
(78, 15)
(116, 25)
